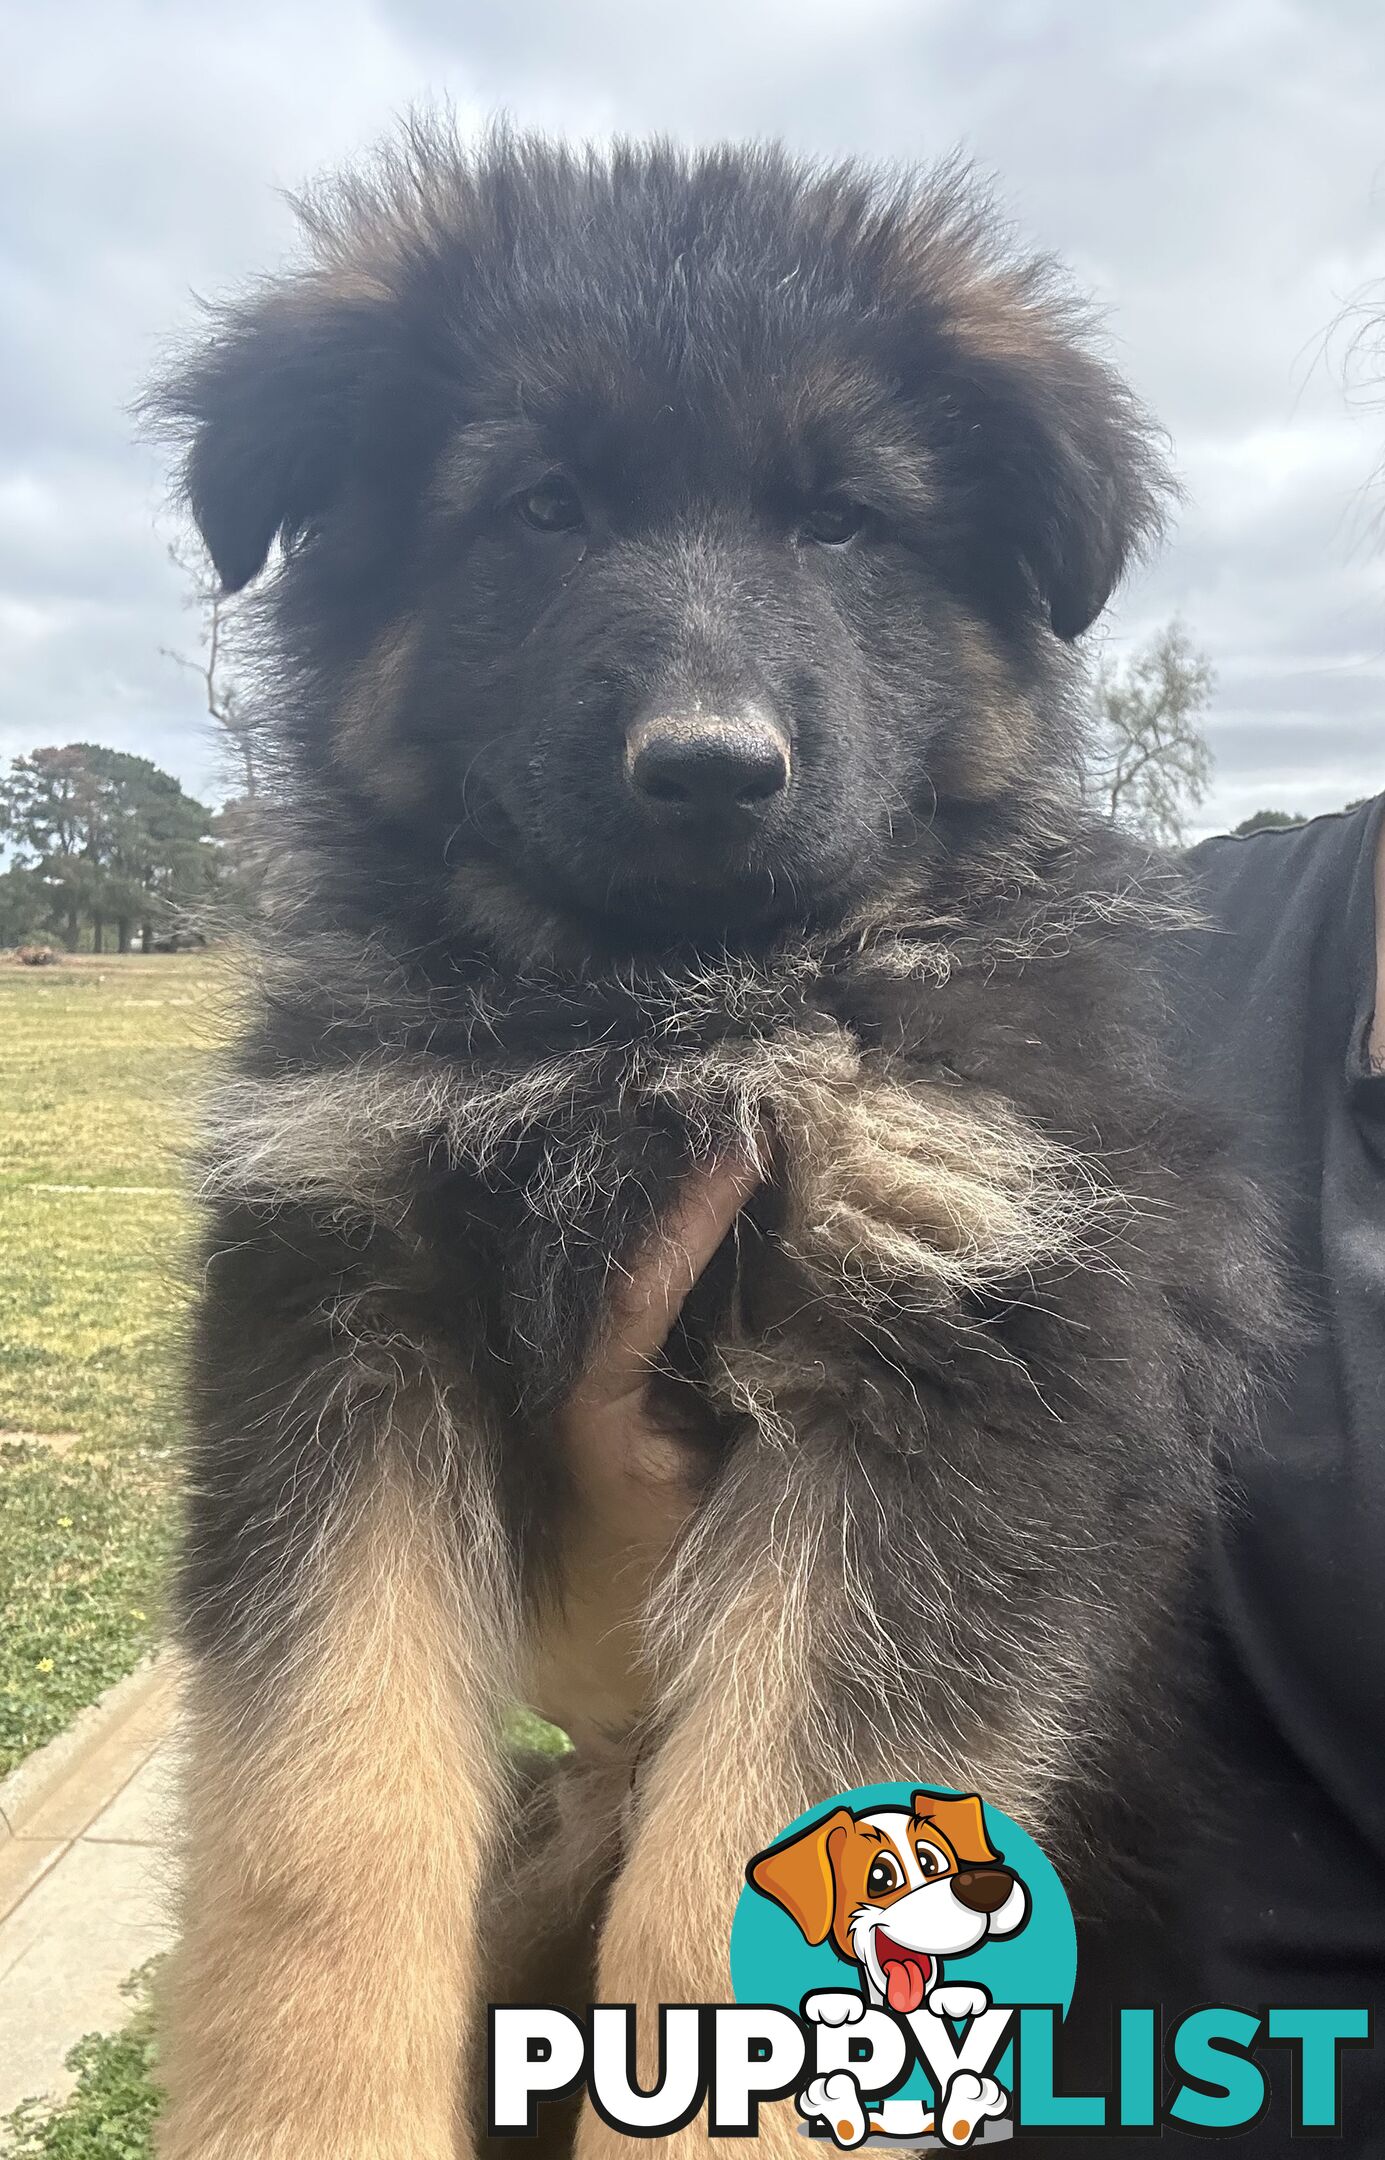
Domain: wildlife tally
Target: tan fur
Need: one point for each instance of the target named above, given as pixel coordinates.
(720, 1786)
(371, 738)
(747, 1748)
(632, 1493)
(924, 1192)
(318, 2004)
(980, 763)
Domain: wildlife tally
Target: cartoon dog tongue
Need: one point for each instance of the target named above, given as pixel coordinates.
(906, 1973)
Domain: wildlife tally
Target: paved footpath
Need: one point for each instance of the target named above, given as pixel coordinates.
(85, 1828)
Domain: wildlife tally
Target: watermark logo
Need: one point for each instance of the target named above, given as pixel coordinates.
(902, 1958)
(905, 1925)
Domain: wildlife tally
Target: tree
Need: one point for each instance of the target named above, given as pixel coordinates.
(224, 700)
(1266, 821)
(24, 911)
(106, 837)
(48, 813)
(241, 862)
(155, 854)
(1151, 762)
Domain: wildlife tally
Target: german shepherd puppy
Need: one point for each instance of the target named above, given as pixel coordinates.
(678, 559)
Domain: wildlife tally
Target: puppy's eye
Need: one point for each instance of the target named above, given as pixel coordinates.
(884, 1876)
(553, 506)
(832, 522)
(930, 1859)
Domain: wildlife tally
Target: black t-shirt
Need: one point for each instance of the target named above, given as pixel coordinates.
(1263, 1855)
(1288, 1905)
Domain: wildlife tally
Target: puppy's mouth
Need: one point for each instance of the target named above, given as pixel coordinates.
(907, 1973)
(673, 900)
(679, 895)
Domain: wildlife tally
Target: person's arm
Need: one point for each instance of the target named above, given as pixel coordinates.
(634, 1482)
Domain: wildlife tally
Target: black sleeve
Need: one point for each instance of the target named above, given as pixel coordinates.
(1283, 982)
(1279, 1005)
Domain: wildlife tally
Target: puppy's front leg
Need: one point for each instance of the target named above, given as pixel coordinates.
(340, 1798)
(780, 1684)
(743, 1744)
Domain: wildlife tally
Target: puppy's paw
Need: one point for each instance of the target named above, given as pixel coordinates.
(970, 2100)
(958, 2001)
(836, 2101)
(833, 2006)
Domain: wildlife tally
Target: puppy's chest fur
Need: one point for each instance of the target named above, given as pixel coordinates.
(958, 1123)
(928, 1143)
(999, 1300)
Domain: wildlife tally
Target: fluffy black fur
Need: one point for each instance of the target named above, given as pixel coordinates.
(840, 454)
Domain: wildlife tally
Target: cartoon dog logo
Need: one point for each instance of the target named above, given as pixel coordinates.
(897, 1891)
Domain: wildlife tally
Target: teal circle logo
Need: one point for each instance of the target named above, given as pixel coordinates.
(921, 1900)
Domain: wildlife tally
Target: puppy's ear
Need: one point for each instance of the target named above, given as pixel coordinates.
(1093, 495)
(1065, 466)
(268, 413)
(799, 1875)
(962, 1822)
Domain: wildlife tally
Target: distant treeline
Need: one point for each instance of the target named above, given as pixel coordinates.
(103, 849)
(1276, 820)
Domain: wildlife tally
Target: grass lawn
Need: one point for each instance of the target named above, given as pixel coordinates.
(98, 1061)
(111, 2113)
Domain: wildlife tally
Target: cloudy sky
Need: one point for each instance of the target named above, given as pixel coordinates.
(1214, 170)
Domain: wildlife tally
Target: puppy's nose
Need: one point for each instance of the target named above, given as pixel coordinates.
(702, 769)
(983, 1889)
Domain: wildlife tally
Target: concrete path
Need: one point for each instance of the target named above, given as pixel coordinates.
(84, 1827)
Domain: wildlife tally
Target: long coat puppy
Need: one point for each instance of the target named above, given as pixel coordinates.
(676, 564)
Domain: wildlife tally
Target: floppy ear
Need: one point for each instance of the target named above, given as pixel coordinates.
(1071, 480)
(1092, 503)
(962, 1822)
(269, 411)
(798, 1875)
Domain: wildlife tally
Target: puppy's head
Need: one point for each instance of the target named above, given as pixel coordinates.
(896, 1890)
(679, 540)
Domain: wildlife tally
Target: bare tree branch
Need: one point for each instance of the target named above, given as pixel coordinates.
(1152, 763)
(221, 695)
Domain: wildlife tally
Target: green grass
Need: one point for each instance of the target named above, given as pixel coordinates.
(98, 1059)
(110, 2115)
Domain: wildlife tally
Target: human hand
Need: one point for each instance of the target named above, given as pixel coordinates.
(604, 1426)
(633, 1485)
